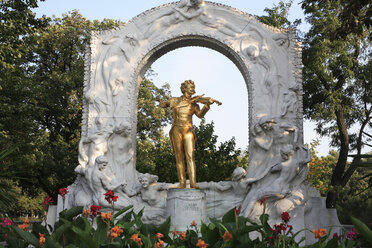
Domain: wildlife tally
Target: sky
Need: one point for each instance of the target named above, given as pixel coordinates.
(214, 75)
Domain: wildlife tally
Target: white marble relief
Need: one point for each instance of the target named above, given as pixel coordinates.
(269, 61)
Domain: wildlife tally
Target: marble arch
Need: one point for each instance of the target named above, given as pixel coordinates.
(270, 61)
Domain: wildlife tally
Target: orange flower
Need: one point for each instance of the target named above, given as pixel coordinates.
(227, 236)
(319, 233)
(201, 244)
(23, 226)
(159, 244)
(86, 212)
(107, 216)
(27, 221)
(115, 232)
(41, 239)
(159, 235)
(193, 223)
(175, 232)
(136, 239)
(182, 235)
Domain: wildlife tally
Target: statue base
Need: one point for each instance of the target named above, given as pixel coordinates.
(185, 206)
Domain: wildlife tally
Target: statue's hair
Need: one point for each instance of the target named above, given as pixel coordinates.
(101, 160)
(150, 177)
(238, 173)
(184, 85)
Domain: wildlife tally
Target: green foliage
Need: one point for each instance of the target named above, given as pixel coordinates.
(337, 83)
(215, 163)
(278, 16)
(355, 198)
(125, 229)
(41, 97)
(320, 169)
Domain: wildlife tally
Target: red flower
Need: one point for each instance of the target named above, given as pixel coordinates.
(95, 210)
(47, 201)
(263, 200)
(237, 210)
(159, 235)
(227, 236)
(109, 196)
(285, 217)
(63, 192)
(193, 223)
(339, 237)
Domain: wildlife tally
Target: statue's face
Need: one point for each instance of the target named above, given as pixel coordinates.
(102, 166)
(190, 90)
(145, 182)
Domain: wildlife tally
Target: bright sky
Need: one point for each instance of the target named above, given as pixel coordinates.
(214, 74)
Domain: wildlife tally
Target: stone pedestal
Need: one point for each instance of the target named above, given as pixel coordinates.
(184, 206)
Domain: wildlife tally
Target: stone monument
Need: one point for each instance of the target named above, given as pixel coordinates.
(270, 62)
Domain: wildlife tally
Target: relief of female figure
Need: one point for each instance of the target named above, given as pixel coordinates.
(262, 148)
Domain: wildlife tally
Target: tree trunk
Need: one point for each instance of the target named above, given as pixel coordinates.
(338, 172)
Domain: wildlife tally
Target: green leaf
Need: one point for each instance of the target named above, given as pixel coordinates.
(51, 243)
(264, 218)
(26, 236)
(333, 243)
(60, 230)
(71, 213)
(146, 241)
(210, 233)
(164, 228)
(229, 216)
(121, 211)
(99, 235)
(362, 229)
(148, 229)
(85, 237)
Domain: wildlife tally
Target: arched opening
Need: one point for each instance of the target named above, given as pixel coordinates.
(205, 42)
(231, 118)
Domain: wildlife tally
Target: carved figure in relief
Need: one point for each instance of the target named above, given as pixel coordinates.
(102, 180)
(119, 53)
(182, 134)
(290, 100)
(172, 17)
(154, 194)
(150, 189)
(263, 150)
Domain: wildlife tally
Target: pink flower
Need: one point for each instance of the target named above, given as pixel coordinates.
(47, 201)
(63, 192)
(285, 217)
(6, 222)
(352, 235)
(110, 197)
(95, 210)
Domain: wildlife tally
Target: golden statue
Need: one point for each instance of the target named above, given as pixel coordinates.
(182, 134)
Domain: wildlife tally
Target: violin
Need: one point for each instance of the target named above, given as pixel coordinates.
(204, 100)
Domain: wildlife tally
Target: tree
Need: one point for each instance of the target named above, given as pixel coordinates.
(18, 26)
(337, 86)
(277, 16)
(320, 169)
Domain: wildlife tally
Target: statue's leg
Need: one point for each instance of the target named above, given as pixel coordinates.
(189, 145)
(176, 138)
